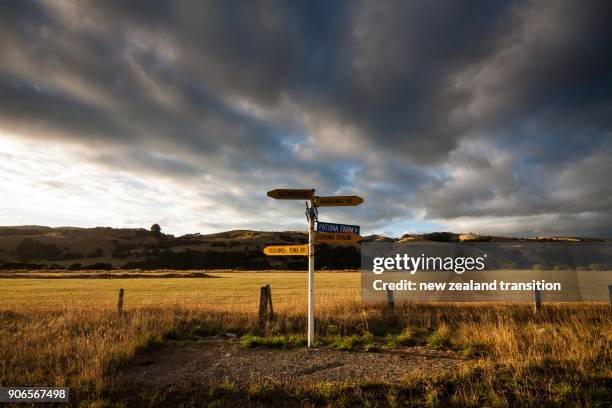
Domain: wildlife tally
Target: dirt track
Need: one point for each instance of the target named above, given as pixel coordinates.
(218, 360)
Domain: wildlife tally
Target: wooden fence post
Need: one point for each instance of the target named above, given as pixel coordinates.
(266, 311)
(120, 303)
(610, 295)
(263, 304)
(390, 301)
(271, 311)
(537, 300)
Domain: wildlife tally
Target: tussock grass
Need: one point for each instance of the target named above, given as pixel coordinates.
(562, 356)
(441, 337)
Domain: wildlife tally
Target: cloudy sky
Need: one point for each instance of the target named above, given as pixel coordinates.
(483, 116)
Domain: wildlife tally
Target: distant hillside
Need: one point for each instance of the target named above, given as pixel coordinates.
(36, 247)
(452, 237)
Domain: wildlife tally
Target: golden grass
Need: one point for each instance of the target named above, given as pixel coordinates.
(562, 356)
(226, 290)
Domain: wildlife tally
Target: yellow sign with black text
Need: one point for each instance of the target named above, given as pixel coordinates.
(338, 201)
(286, 250)
(291, 194)
(344, 237)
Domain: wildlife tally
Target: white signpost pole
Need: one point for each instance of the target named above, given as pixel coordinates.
(311, 212)
(311, 323)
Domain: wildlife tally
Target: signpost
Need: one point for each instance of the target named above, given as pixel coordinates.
(338, 201)
(286, 250)
(342, 237)
(328, 232)
(311, 215)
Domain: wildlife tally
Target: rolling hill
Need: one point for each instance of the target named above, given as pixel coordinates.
(39, 247)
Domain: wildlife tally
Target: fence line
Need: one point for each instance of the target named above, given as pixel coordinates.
(262, 301)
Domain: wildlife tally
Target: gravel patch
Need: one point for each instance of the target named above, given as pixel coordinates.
(215, 361)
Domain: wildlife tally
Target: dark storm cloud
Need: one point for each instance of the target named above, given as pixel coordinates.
(440, 110)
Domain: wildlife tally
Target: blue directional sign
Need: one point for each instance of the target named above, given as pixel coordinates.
(342, 228)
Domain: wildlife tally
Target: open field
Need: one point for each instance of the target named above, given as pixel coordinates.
(238, 291)
(168, 351)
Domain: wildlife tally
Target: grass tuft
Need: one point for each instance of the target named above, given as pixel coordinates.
(440, 338)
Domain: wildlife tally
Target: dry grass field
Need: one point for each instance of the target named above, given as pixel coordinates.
(228, 291)
(67, 332)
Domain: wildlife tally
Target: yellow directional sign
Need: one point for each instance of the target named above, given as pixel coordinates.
(338, 201)
(286, 250)
(291, 194)
(345, 237)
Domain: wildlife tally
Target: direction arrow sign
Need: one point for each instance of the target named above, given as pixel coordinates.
(330, 227)
(291, 194)
(337, 237)
(338, 201)
(286, 250)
